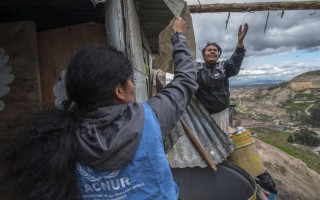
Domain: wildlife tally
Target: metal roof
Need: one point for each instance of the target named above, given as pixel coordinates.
(154, 17)
(213, 139)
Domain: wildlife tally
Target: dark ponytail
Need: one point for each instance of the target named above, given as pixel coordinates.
(40, 161)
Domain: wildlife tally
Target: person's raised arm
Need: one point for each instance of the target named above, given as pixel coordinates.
(171, 101)
(242, 34)
(233, 64)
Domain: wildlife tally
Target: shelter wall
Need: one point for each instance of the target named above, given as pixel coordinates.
(57, 47)
(138, 51)
(19, 39)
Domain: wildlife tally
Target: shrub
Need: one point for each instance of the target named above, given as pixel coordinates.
(306, 137)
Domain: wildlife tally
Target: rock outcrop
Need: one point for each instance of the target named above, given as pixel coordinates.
(306, 81)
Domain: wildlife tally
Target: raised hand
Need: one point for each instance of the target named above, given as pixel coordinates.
(242, 34)
(179, 25)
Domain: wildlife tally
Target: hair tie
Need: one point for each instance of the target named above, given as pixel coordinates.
(69, 106)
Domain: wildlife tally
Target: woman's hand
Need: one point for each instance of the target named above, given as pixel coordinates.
(179, 25)
(242, 34)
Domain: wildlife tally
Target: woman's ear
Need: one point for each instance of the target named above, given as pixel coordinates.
(119, 92)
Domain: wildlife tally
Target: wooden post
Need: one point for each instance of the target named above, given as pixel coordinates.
(255, 6)
(114, 23)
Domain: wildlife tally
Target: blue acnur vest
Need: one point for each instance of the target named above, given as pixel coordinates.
(147, 176)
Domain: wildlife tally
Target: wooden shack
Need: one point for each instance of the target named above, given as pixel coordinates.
(40, 37)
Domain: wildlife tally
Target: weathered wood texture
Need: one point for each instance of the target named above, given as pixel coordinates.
(20, 42)
(255, 6)
(57, 47)
(134, 46)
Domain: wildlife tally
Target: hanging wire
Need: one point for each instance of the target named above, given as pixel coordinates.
(199, 3)
(313, 13)
(265, 27)
(227, 21)
(282, 13)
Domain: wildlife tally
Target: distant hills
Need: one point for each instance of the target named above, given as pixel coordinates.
(294, 103)
(255, 83)
(308, 80)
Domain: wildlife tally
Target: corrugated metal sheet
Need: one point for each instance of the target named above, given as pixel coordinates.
(213, 139)
(154, 17)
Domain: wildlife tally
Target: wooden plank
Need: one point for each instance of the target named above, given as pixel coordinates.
(24, 99)
(57, 47)
(20, 43)
(255, 6)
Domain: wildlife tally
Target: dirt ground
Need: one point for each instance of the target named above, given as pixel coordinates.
(295, 181)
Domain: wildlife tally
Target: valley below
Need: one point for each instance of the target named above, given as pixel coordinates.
(273, 114)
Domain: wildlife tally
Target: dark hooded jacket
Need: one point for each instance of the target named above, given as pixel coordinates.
(213, 82)
(108, 137)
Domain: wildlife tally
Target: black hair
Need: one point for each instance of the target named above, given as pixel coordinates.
(93, 75)
(212, 44)
(39, 163)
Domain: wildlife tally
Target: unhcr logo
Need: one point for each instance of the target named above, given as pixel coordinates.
(110, 182)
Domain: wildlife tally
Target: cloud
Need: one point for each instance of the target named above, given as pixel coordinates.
(312, 49)
(295, 31)
(269, 72)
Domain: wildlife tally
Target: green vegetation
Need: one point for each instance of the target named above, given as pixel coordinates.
(264, 117)
(259, 96)
(297, 105)
(292, 106)
(279, 140)
(305, 97)
(315, 115)
(234, 102)
(305, 137)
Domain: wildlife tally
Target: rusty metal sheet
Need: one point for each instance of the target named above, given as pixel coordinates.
(213, 139)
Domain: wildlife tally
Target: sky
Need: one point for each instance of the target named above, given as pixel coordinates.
(289, 47)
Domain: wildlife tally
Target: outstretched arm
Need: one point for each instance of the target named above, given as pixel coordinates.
(233, 64)
(171, 101)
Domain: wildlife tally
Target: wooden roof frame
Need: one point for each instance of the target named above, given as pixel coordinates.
(255, 6)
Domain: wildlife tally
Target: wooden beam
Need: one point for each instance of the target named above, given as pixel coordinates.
(255, 6)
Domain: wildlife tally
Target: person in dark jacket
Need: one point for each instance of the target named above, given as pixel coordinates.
(103, 145)
(213, 79)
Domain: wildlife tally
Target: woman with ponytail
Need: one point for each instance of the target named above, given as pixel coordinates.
(103, 145)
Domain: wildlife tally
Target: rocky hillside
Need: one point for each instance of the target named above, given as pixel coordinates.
(288, 104)
(293, 178)
(306, 81)
(284, 108)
